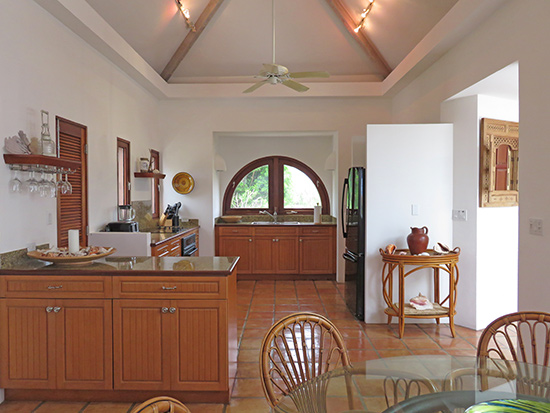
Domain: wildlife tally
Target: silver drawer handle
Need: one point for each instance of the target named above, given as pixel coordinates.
(49, 309)
(164, 310)
(56, 309)
(54, 287)
(169, 288)
(172, 310)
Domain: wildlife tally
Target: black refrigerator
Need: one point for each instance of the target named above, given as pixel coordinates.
(353, 226)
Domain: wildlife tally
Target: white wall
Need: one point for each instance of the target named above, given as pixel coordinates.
(514, 33)
(489, 238)
(498, 238)
(188, 128)
(463, 114)
(406, 165)
(50, 68)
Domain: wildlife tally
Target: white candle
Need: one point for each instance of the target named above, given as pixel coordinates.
(74, 241)
(317, 214)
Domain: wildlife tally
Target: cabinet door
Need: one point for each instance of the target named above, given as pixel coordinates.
(27, 344)
(287, 255)
(84, 344)
(199, 358)
(265, 257)
(317, 255)
(230, 246)
(141, 344)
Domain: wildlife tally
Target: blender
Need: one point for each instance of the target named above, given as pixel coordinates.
(126, 213)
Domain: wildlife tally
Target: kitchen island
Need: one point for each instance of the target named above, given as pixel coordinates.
(119, 329)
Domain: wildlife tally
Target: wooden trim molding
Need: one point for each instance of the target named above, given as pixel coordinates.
(361, 37)
(191, 38)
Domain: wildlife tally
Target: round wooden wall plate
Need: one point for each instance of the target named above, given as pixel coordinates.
(183, 183)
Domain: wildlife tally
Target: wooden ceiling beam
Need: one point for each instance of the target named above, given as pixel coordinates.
(361, 37)
(191, 38)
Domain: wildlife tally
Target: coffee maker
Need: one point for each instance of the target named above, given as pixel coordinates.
(125, 222)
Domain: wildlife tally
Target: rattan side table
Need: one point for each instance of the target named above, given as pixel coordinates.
(402, 309)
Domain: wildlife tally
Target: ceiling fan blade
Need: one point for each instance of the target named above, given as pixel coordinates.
(255, 86)
(298, 75)
(275, 69)
(298, 87)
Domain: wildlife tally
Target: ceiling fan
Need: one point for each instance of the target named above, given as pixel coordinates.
(275, 74)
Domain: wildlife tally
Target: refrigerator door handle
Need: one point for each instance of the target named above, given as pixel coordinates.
(351, 256)
(344, 207)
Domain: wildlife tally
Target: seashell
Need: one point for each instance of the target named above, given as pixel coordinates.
(425, 254)
(390, 248)
(402, 253)
(441, 248)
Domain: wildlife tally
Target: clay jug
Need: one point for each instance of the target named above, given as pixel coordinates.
(418, 240)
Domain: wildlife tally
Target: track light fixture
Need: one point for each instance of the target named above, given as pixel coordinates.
(364, 15)
(186, 15)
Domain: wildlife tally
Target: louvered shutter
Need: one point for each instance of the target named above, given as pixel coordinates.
(72, 211)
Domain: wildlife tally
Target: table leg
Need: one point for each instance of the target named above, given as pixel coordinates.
(401, 301)
(452, 287)
(436, 290)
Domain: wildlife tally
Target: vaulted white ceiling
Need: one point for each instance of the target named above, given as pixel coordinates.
(141, 36)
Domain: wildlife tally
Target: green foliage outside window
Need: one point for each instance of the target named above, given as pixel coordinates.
(300, 191)
(253, 190)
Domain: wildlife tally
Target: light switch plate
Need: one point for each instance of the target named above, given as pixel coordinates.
(460, 215)
(535, 226)
(414, 209)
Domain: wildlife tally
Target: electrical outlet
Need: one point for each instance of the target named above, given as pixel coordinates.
(460, 215)
(50, 218)
(535, 226)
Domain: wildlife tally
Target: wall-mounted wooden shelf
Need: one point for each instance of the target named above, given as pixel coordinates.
(28, 162)
(149, 175)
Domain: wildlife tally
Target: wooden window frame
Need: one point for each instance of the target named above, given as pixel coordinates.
(155, 186)
(125, 184)
(276, 190)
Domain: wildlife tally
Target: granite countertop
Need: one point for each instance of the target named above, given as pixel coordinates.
(140, 266)
(284, 220)
(277, 224)
(158, 237)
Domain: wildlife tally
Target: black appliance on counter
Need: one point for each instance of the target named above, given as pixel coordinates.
(122, 226)
(354, 228)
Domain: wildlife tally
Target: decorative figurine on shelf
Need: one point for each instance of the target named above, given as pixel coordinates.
(48, 145)
(418, 240)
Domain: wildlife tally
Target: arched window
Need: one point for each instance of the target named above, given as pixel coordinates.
(275, 183)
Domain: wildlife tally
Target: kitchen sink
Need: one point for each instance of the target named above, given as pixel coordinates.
(275, 223)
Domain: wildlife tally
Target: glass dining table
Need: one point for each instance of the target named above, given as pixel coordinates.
(422, 384)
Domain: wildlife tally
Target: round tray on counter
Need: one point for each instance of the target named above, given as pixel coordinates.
(69, 260)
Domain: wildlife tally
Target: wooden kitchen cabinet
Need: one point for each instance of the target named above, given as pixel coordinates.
(280, 250)
(56, 343)
(275, 255)
(170, 345)
(138, 335)
(236, 241)
(317, 250)
(172, 247)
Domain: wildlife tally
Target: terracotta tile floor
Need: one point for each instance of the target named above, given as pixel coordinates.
(260, 304)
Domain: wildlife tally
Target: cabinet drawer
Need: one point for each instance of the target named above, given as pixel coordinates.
(276, 230)
(315, 230)
(235, 230)
(58, 286)
(170, 287)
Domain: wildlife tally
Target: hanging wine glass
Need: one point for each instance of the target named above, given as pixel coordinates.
(43, 186)
(15, 183)
(66, 187)
(52, 186)
(32, 183)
